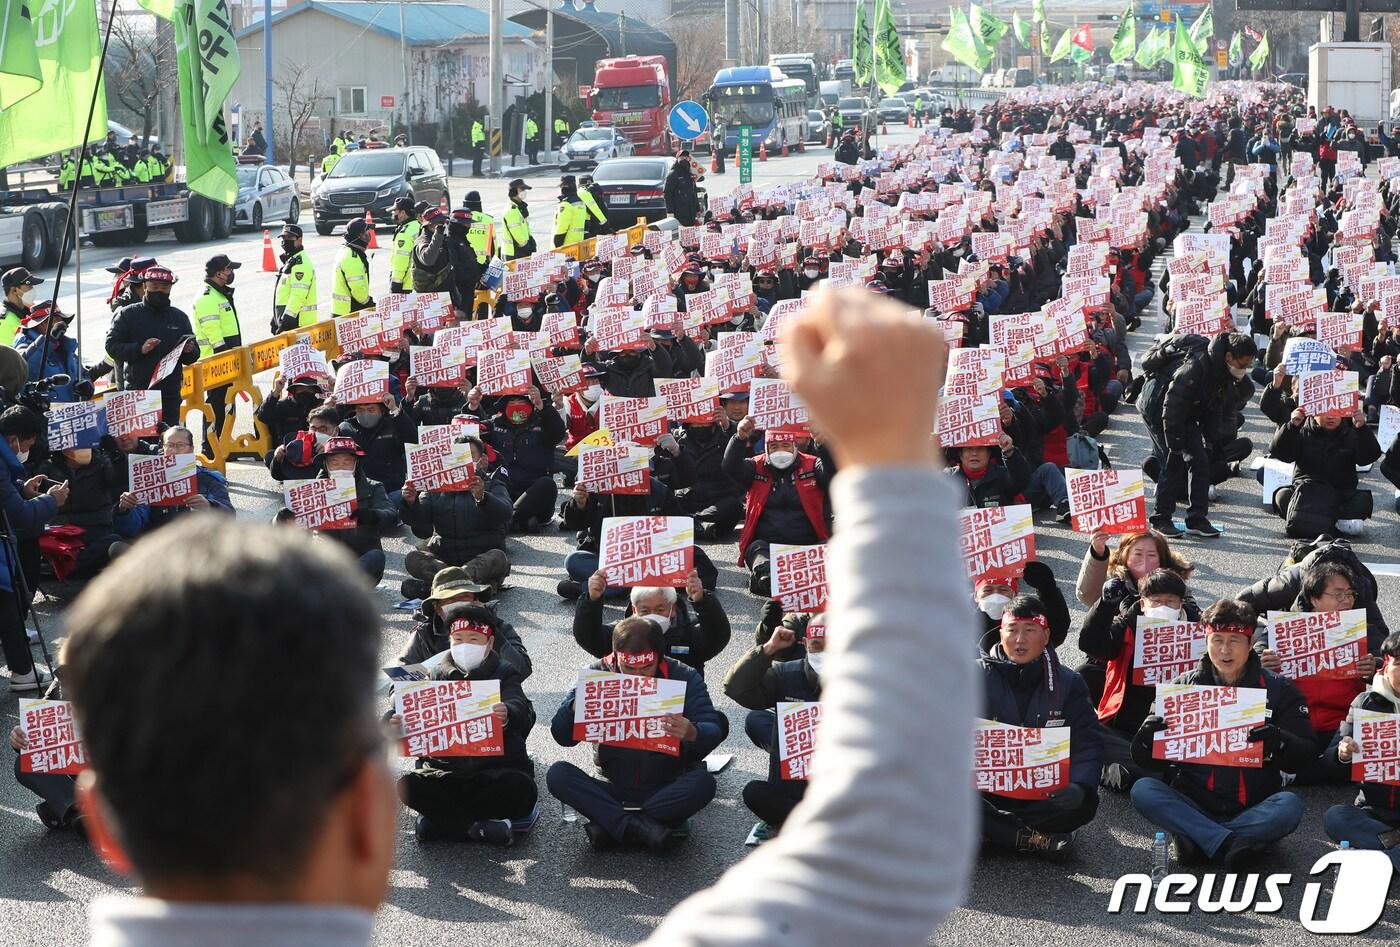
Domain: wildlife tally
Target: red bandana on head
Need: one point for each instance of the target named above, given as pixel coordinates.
(1008, 619)
(1230, 629)
(640, 660)
(466, 625)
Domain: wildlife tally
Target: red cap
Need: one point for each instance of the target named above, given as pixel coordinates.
(341, 445)
(158, 274)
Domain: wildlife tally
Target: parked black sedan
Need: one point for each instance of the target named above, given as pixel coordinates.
(634, 187)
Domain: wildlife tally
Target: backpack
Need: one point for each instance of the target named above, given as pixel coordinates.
(1326, 548)
(1159, 365)
(1085, 453)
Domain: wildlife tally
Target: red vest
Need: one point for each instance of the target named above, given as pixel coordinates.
(581, 422)
(1116, 679)
(809, 493)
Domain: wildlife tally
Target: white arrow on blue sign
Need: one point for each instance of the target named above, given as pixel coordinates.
(688, 120)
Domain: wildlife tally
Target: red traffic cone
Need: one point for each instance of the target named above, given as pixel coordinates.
(269, 260)
(829, 132)
(909, 120)
(442, 204)
(785, 148)
(763, 151)
(714, 159)
(369, 223)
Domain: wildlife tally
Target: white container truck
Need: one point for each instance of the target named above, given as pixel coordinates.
(1351, 76)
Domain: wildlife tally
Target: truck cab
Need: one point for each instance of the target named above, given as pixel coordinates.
(633, 94)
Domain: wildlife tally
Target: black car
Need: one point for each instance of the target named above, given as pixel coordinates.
(372, 180)
(634, 187)
(818, 127)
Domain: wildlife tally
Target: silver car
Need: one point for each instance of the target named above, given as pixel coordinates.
(265, 192)
(587, 146)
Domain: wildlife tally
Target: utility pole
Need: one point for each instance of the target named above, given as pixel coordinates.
(731, 33)
(548, 85)
(267, 82)
(403, 59)
(495, 93)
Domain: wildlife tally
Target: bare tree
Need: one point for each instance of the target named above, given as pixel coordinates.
(699, 55)
(131, 66)
(299, 94)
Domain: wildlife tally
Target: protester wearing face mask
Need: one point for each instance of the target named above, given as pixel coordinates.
(216, 329)
(694, 627)
(1109, 634)
(92, 483)
(476, 797)
(1372, 822)
(524, 434)
(429, 636)
(684, 357)
(693, 280)
(381, 430)
(1026, 686)
(580, 412)
(990, 596)
(643, 796)
(18, 285)
(211, 489)
(145, 332)
(436, 405)
(288, 404)
(786, 502)
(1325, 452)
(702, 488)
(375, 515)
(47, 350)
(812, 273)
(759, 681)
(526, 315)
(295, 458)
(630, 374)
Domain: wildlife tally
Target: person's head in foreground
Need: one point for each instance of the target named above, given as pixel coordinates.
(1229, 632)
(212, 777)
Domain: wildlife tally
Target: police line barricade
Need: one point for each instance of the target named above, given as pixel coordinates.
(238, 367)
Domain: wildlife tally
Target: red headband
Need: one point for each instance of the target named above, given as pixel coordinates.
(1230, 629)
(639, 660)
(816, 627)
(464, 625)
(1008, 619)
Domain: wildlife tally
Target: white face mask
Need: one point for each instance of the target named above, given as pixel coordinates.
(468, 656)
(737, 318)
(993, 605)
(594, 277)
(27, 297)
(524, 311)
(1239, 372)
(815, 659)
(1161, 612)
(782, 459)
(593, 392)
(811, 274)
(662, 621)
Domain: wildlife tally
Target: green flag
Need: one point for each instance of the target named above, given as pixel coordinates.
(964, 44)
(1044, 39)
(50, 118)
(1020, 29)
(1189, 72)
(1236, 49)
(987, 26)
(20, 74)
(1125, 40)
(1063, 46)
(889, 52)
(1152, 50)
(1203, 31)
(1038, 11)
(860, 48)
(1259, 59)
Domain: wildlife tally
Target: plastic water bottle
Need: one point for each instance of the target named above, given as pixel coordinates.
(1344, 845)
(1161, 858)
(566, 813)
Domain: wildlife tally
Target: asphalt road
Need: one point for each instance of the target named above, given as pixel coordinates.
(550, 889)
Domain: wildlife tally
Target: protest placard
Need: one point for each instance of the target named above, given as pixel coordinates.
(799, 577)
(974, 372)
(639, 420)
(295, 361)
(1339, 331)
(1328, 394)
(1326, 645)
(440, 467)
(323, 502)
(168, 362)
(773, 405)
(1378, 734)
(436, 366)
(619, 469)
(449, 718)
(1020, 762)
(627, 710)
(647, 551)
(1210, 725)
(365, 381)
(52, 742)
(503, 373)
(1302, 356)
(970, 421)
(561, 375)
(617, 328)
(1162, 650)
(358, 335)
(689, 400)
(130, 413)
(427, 313)
(76, 424)
(1110, 501)
(163, 480)
(561, 329)
(736, 361)
(997, 542)
(797, 736)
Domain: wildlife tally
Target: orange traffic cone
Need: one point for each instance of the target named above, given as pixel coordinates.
(909, 120)
(763, 151)
(269, 260)
(785, 148)
(442, 204)
(714, 160)
(829, 132)
(369, 222)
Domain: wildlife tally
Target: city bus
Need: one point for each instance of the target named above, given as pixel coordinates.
(763, 98)
(800, 66)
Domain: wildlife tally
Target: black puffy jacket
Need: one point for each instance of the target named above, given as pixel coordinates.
(690, 639)
(520, 717)
(1381, 796)
(1330, 457)
(458, 527)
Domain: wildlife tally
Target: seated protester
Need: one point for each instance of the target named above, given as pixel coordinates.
(580, 412)
(524, 434)
(629, 374)
(210, 486)
(760, 680)
(374, 514)
(1325, 451)
(1109, 636)
(476, 797)
(380, 431)
(786, 500)
(47, 350)
(296, 459)
(990, 596)
(91, 480)
(462, 527)
(132, 517)
(690, 639)
(435, 405)
(709, 494)
(1372, 820)
(1228, 814)
(665, 790)
(453, 586)
(57, 792)
(686, 357)
(1117, 573)
(1011, 481)
(286, 416)
(1026, 686)
(1327, 587)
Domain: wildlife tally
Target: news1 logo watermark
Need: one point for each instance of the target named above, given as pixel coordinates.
(1358, 895)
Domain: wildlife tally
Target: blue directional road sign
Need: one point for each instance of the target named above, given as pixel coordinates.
(688, 120)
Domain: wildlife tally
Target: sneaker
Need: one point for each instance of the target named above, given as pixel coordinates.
(1186, 851)
(493, 831)
(425, 830)
(705, 532)
(761, 585)
(1350, 527)
(47, 816)
(412, 589)
(35, 680)
(1062, 513)
(1201, 527)
(643, 831)
(598, 837)
(1167, 528)
(568, 588)
(1210, 492)
(1237, 852)
(1116, 778)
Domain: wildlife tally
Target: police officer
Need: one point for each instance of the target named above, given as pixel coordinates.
(717, 133)
(67, 172)
(156, 166)
(140, 170)
(350, 288)
(294, 298)
(532, 139)
(561, 130)
(595, 221)
(478, 146)
(217, 330)
(405, 232)
(329, 162)
(341, 143)
(481, 239)
(19, 286)
(516, 238)
(571, 219)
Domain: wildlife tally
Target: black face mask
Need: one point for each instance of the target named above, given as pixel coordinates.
(157, 300)
(289, 247)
